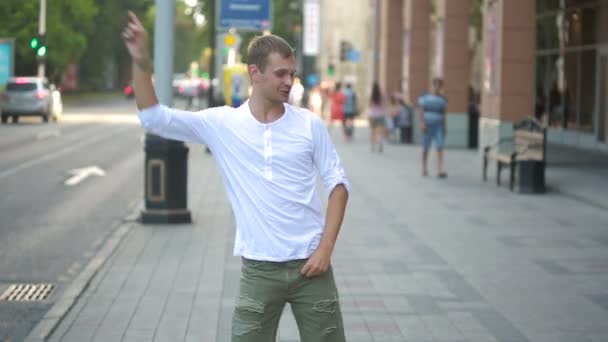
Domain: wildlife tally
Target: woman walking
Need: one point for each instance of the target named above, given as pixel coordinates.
(376, 119)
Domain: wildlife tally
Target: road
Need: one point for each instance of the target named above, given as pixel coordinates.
(49, 231)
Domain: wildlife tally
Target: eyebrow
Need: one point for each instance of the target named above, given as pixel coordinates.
(284, 69)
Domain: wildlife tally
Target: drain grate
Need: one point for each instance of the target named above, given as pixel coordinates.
(27, 292)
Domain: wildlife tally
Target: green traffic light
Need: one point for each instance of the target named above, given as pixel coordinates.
(42, 51)
(34, 42)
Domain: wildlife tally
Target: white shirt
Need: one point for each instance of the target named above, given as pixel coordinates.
(268, 171)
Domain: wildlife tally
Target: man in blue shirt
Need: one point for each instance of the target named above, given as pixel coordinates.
(433, 125)
(350, 109)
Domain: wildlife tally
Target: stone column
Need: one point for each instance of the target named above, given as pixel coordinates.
(391, 45)
(416, 52)
(452, 65)
(507, 93)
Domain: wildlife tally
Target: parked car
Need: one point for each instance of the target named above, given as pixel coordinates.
(30, 96)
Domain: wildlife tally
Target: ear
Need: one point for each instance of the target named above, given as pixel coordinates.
(253, 71)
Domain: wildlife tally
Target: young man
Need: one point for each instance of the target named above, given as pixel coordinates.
(267, 152)
(433, 125)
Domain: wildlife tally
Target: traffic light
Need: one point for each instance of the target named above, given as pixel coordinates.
(331, 70)
(38, 44)
(345, 48)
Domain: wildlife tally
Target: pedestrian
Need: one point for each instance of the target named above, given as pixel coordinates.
(296, 93)
(404, 121)
(315, 101)
(377, 121)
(350, 110)
(337, 105)
(267, 152)
(432, 109)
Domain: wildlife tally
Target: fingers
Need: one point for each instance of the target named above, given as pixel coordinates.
(305, 269)
(310, 270)
(135, 19)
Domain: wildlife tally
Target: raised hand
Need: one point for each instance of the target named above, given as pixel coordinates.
(136, 41)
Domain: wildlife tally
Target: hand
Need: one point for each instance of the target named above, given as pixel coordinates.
(136, 40)
(317, 264)
(422, 126)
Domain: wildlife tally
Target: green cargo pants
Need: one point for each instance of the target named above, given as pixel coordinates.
(265, 287)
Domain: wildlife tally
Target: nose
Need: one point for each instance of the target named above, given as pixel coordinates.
(289, 80)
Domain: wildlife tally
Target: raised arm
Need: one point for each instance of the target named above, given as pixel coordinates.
(158, 119)
(136, 41)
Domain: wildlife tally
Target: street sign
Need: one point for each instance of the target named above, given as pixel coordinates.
(354, 56)
(6, 61)
(245, 15)
(312, 24)
(312, 80)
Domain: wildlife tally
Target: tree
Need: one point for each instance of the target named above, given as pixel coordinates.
(68, 21)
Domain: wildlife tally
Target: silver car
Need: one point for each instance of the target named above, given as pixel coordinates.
(27, 96)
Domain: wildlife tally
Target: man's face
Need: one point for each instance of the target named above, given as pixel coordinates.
(437, 86)
(275, 82)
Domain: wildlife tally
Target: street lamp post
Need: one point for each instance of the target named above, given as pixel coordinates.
(212, 92)
(41, 33)
(166, 162)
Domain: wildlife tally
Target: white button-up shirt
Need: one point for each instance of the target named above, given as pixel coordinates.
(268, 171)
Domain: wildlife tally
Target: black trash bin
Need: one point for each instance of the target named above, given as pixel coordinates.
(531, 176)
(166, 181)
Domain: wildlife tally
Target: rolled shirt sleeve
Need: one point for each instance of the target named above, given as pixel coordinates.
(177, 124)
(326, 159)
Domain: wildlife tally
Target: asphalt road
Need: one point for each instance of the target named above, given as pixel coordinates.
(49, 230)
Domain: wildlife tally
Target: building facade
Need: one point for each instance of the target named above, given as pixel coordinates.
(542, 58)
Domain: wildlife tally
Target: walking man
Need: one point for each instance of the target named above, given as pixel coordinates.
(432, 107)
(267, 152)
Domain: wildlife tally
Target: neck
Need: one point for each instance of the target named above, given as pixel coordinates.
(263, 110)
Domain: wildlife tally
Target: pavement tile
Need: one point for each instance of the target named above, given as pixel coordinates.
(437, 261)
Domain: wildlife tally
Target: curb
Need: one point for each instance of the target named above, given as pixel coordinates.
(62, 306)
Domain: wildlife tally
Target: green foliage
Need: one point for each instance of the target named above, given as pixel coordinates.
(68, 22)
(88, 33)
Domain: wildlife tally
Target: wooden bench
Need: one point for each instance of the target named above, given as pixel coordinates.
(528, 143)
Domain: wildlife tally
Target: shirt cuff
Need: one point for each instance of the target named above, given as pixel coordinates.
(337, 181)
(152, 117)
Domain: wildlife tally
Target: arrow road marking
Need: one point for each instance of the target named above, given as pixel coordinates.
(80, 174)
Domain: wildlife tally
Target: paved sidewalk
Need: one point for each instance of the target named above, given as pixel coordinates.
(418, 259)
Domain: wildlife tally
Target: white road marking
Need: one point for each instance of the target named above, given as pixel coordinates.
(58, 153)
(80, 174)
(48, 134)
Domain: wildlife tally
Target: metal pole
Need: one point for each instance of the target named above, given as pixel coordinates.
(212, 62)
(163, 50)
(41, 32)
(166, 166)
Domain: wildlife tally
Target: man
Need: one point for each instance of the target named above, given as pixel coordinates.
(350, 109)
(433, 125)
(266, 151)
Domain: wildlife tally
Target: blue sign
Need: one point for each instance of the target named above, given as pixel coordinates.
(354, 56)
(245, 15)
(312, 80)
(6, 61)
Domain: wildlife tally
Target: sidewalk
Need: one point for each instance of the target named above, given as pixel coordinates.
(418, 259)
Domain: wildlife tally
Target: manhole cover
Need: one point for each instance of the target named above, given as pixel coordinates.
(27, 292)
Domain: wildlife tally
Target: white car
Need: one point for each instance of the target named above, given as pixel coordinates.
(30, 96)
